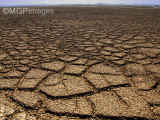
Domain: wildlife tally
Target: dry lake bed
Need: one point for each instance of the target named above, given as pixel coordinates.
(81, 63)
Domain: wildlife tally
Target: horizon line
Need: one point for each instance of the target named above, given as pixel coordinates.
(136, 4)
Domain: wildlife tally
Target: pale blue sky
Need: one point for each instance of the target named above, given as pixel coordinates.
(26, 2)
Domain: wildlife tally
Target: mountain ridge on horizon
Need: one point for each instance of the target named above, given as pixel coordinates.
(96, 4)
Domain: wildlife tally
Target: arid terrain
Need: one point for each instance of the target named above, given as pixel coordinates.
(81, 63)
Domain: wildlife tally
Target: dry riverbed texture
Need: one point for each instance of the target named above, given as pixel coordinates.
(90, 63)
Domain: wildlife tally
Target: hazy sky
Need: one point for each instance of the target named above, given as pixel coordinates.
(25, 2)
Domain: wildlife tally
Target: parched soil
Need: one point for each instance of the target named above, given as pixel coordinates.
(90, 63)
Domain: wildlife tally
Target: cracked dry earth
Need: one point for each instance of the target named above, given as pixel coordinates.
(90, 63)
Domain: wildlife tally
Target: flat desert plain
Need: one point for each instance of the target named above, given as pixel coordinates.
(81, 63)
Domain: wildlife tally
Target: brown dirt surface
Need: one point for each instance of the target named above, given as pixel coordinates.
(81, 63)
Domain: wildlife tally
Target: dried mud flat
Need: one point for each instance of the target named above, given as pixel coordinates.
(91, 63)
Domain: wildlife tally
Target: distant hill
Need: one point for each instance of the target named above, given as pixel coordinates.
(97, 4)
